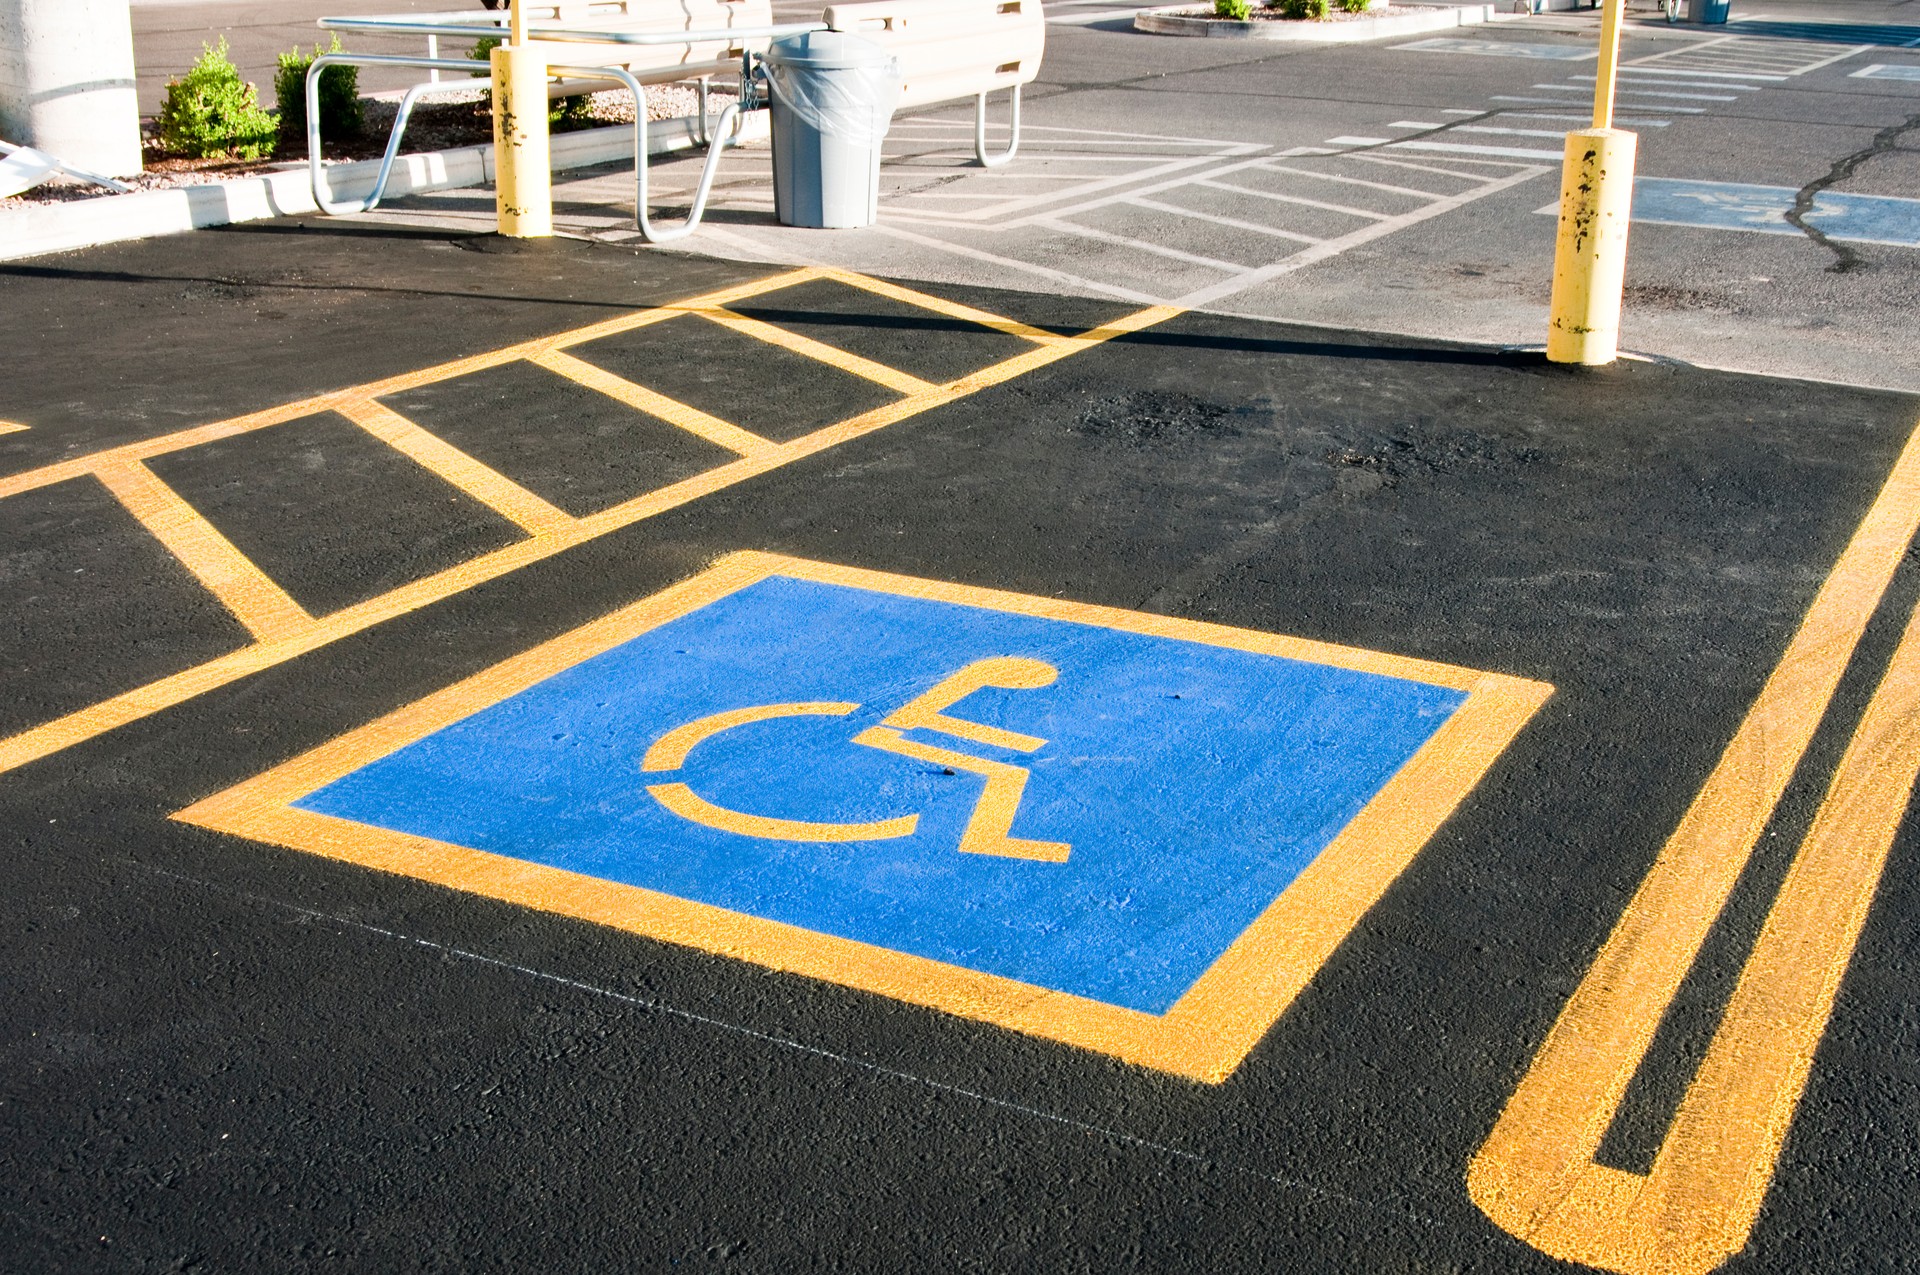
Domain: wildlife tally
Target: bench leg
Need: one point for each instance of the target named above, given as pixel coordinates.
(980, 131)
(723, 130)
(723, 135)
(321, 187)
(702, 135)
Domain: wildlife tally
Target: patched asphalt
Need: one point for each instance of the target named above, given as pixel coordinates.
(221, 1055)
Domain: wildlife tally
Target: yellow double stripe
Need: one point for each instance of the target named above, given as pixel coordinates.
(1536, 1175)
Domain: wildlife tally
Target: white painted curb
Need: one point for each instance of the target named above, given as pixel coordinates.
(1181, 20)
(36, 229)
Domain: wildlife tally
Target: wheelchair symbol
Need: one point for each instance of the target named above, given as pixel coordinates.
(990, 828)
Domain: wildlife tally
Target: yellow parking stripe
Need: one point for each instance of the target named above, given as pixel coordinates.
(940, 305)
(1535, 1175)
(255, 600)
(488, 486)
(131, 706)
(692, 419)
(147, 448)
(879, 373)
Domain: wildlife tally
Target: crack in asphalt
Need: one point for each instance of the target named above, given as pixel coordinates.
(1847, 259)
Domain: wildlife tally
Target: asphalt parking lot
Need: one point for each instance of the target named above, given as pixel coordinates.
(1120, 718)
(553, 755)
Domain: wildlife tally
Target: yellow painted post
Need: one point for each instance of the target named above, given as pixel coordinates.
(523, 169)
(1596, 204)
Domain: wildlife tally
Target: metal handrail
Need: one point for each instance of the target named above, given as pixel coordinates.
(725, 133)
(980, 132)
(569, 35)
(314, 170)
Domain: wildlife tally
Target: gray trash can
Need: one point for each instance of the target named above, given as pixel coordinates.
(833, 99)
(1707, 11)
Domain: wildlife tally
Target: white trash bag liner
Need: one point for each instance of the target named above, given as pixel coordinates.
(839, 86)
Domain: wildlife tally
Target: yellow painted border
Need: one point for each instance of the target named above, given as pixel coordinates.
(1537, 1175)
(756, 456)
(1203, 1036)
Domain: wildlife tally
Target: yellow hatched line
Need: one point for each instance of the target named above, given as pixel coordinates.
(131, 706)
(146, 449)
(879, 373)
(940, 305)
(488, 486)
(692, 419)
(1536, 1175)
(255, 600)
(11, 427)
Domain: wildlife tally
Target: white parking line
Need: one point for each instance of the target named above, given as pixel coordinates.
(1542, 115)
(1349, 181)
(1304, 202)
(1509, 152)
(1685, 97)
(1014, 263)
(1139, 245)
(1630, 71)
(1223, 147)
(1511, 132)
(1334, 247)
(1434, 168)
(1357, 141)
(1232, 223)
(1554, 101)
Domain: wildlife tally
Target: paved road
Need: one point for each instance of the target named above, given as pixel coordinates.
(579, 757)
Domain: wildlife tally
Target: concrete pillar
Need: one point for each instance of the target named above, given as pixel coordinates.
(66, 82)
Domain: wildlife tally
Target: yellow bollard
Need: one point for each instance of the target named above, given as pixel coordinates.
(1590, 260)
(523, 170)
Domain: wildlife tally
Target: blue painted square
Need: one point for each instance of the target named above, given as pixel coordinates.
(1885, 219)
(1194, 782)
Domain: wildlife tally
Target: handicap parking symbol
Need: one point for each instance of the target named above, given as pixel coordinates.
(1129, 833)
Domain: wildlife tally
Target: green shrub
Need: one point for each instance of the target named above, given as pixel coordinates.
(1305, 9)
(1353, 6)
(1238, 10)
(482, 51)
(565, 113)
(211, 111)
(569, 113)
(341, 112)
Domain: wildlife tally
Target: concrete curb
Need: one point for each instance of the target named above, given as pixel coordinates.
(1181, 20)
(43, 228)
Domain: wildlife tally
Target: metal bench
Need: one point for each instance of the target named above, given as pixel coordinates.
(650, 62)
(696, 61)
(950, 49)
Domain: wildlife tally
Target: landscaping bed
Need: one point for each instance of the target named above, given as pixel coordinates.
(1309, 20)
(434, 126)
